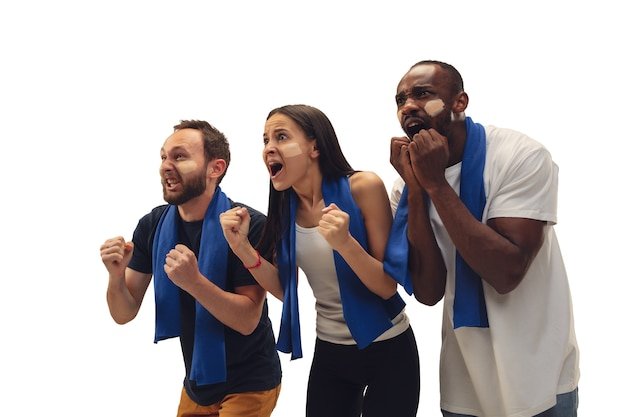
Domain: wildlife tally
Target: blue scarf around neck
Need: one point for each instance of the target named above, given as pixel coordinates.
(208, 365)
(367, 315)
(469, 300)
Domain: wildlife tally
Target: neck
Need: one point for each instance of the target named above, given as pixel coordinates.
(309, 194)
(456, 140)
(310, 200)
(309, 189)
(195, 209)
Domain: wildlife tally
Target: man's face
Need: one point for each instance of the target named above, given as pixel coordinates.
(423, 100)
(183, 167)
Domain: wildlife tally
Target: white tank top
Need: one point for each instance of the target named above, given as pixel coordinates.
(315, 257)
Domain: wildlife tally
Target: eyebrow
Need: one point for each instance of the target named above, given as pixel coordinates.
(413, 90)
(279, 129)
(176, 148)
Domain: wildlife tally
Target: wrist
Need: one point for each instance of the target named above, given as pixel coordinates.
(117, 283)
(255, 264)
(249, 256)
(346, 245)
(442, 193)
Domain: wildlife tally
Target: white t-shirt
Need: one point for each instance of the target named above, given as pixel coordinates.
(529, 353)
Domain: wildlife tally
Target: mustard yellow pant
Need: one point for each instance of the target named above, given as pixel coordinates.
(248, 404)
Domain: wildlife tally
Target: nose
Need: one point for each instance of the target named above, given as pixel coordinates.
(409, 106)
(269, 147)
(166, 165)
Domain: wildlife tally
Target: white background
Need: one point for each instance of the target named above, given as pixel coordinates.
(89, 91)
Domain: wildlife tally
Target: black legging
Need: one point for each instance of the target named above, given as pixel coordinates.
(381, 380)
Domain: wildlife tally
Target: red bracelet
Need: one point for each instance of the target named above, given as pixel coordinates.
(257, 264)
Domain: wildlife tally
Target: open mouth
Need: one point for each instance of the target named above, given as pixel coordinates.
(275, 168)
(413, 125)
(170, 182)
(413, 130)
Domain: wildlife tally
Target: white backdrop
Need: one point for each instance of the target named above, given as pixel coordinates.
(89, 91)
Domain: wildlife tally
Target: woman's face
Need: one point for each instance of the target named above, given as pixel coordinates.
(288, 153)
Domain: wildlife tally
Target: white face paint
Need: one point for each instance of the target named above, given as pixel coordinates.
(434, 107)
(290, 150)
(185, 167)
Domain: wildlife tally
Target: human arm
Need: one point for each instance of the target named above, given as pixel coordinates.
(501, 251)
(126, 287)
(239, 310)
(370, 195)
(236, 225)
(426, 265)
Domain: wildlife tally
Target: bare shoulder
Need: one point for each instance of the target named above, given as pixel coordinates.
(369, 191)
(364, 182)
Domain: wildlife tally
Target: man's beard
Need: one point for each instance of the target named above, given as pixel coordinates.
(444, 123)
(191, 189)
(441, 123)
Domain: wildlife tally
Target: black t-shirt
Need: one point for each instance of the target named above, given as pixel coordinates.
(252, 363)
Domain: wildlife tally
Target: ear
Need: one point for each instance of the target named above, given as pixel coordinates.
(460, 102)
(216, 168)
(315, 152)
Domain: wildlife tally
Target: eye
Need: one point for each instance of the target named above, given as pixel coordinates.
(400, 100)
(419, 92)
(265, 140)
(281, 137)
(179, 156)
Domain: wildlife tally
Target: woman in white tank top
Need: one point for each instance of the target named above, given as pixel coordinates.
(333, 223)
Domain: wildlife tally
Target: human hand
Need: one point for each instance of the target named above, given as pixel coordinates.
(181, 266)
(429, 155)
(401, 161)
(115, 254)
(235, 226)
(333, 226)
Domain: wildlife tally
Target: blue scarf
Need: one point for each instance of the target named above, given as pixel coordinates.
(469, 300)
(367, 315)
(208, 365)
(396, 261)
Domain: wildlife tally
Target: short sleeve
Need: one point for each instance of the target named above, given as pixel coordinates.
(527, 187)
(395, 194)
(143, 236)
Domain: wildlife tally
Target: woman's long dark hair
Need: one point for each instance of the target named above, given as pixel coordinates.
(333, 164)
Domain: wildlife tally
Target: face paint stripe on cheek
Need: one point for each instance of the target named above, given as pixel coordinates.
(434, 107)
(186, 167)
(291, 149)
